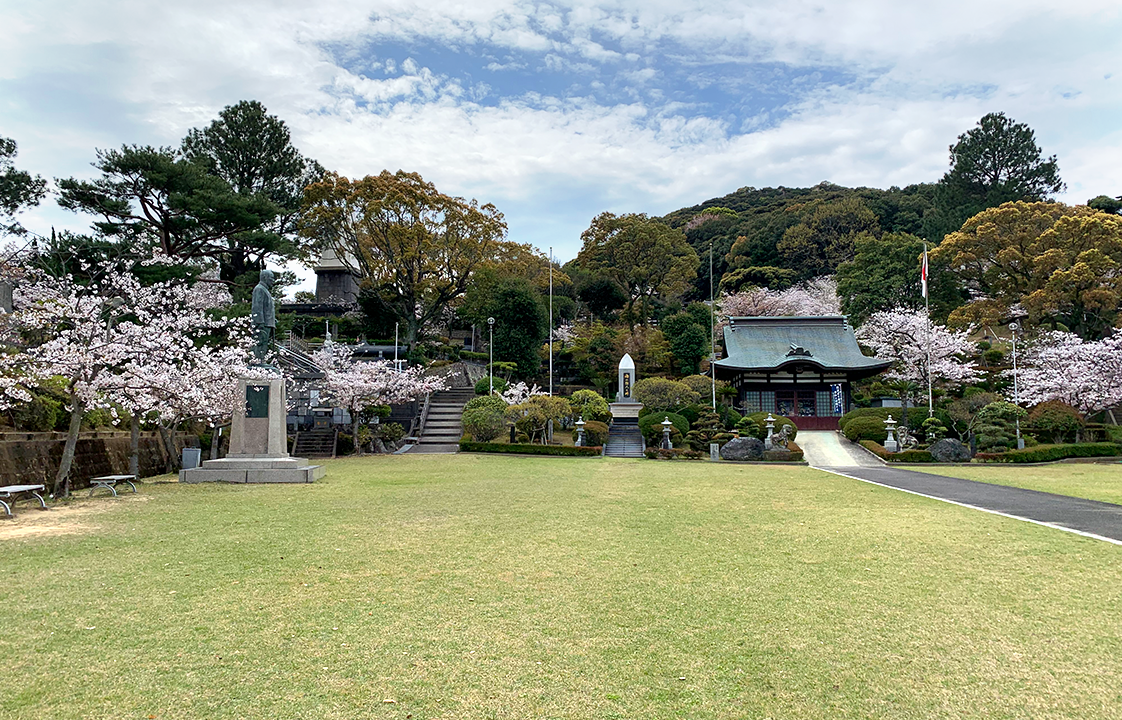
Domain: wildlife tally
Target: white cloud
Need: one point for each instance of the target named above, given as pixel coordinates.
(79, 75)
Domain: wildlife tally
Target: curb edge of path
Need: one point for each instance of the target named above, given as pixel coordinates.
(1054, 526)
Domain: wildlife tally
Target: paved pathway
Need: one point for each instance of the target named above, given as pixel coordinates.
(1086, 517)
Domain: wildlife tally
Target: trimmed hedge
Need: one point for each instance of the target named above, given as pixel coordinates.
(1050, 453)
(916, 416)
(528, 449)
(675, 454)
(910, 456)
(866, 428)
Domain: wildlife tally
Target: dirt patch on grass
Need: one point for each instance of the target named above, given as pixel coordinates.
(74, 518)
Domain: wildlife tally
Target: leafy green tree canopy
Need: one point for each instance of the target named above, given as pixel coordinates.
(414, 246)
(253, 152)
(152, 197)
(885, 273)
(648, 259)
(18, 189)
(996, 162)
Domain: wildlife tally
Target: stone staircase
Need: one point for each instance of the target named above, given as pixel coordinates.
(315, 443)
(443, 429)
(625, 439)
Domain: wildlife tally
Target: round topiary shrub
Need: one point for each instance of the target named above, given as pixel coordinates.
(484, 423)
(866, 428)
(595, 433)
(755, 425)
(483, 386)
(590, 405)
(651, 426)
(1056, 420)
(486, 401)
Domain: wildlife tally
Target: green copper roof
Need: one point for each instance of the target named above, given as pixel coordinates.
(768, 343)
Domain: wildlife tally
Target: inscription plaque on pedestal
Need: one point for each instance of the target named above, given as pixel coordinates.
(257, 401)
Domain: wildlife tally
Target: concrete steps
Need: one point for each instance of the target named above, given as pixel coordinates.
(315, 443)
(624, 440)
(443, 427)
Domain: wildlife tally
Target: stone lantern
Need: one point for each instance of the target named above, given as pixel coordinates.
(768, 443)
(580, 431)
(666, 425)
(890, 444)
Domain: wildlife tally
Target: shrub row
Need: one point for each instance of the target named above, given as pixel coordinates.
(1048, 453)
(675, 454)
(528, 449)
(910, 456)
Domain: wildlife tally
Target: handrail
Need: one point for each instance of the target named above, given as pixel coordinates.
(424, 417)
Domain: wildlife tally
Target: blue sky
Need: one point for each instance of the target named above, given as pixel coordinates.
(556, 111)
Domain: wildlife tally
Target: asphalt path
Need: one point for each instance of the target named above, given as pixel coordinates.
(1086, 517)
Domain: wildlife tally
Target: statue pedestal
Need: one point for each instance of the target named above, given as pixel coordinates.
(258, 442)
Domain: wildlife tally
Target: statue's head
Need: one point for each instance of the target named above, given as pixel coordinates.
(266, 278)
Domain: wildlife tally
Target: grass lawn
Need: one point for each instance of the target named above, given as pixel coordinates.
(1083, 480)
(513, 587)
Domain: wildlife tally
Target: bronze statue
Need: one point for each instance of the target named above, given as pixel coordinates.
(264, 316)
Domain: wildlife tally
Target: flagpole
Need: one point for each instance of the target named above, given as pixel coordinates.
(551, 321)
(927, 309)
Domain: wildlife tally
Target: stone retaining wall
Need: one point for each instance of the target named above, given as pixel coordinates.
(27, 458)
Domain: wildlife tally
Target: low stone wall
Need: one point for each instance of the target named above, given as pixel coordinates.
(28, 458)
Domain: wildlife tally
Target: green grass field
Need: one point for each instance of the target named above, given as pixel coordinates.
(512, 587)
(1084, 480)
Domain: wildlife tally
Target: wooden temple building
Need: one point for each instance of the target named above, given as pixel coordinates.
(800, 367)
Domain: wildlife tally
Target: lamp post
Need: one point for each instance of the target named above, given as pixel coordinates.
(580, 431)
(491, 350)
(1014, 327)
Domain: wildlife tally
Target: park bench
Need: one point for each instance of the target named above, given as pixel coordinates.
(109, 482)
(11, 493)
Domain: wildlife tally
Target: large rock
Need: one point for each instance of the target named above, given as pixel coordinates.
(949, 450)
(744, 448)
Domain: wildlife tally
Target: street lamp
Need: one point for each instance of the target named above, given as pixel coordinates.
(1014, 327)
(491, 350)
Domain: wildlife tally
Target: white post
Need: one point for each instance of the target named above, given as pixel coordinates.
(712, 331)
(491, 350)
(927, 308)
(551, 321)
(1014, 327)
(396, 366)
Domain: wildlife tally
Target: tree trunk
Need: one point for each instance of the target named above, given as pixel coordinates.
(134, 445)
(354, 433)
(171, 463)
(62, 479)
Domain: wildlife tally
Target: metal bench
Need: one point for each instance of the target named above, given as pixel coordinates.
(110, 481)
(13, 492)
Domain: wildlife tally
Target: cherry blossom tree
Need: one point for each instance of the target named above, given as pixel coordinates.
(110, 340)
(1062, 366)
(901, 335)
(818, 296)
(519, 393)
(359, 385)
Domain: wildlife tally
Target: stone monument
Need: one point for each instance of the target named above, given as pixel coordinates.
(624, 437)
(258, 434)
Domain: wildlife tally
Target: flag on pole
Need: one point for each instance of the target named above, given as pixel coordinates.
(923, 270)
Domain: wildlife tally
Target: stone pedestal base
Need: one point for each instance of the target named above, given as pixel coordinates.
(628, 412)
(248, 469)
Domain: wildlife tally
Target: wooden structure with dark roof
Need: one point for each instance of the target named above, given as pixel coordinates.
(800, 367)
